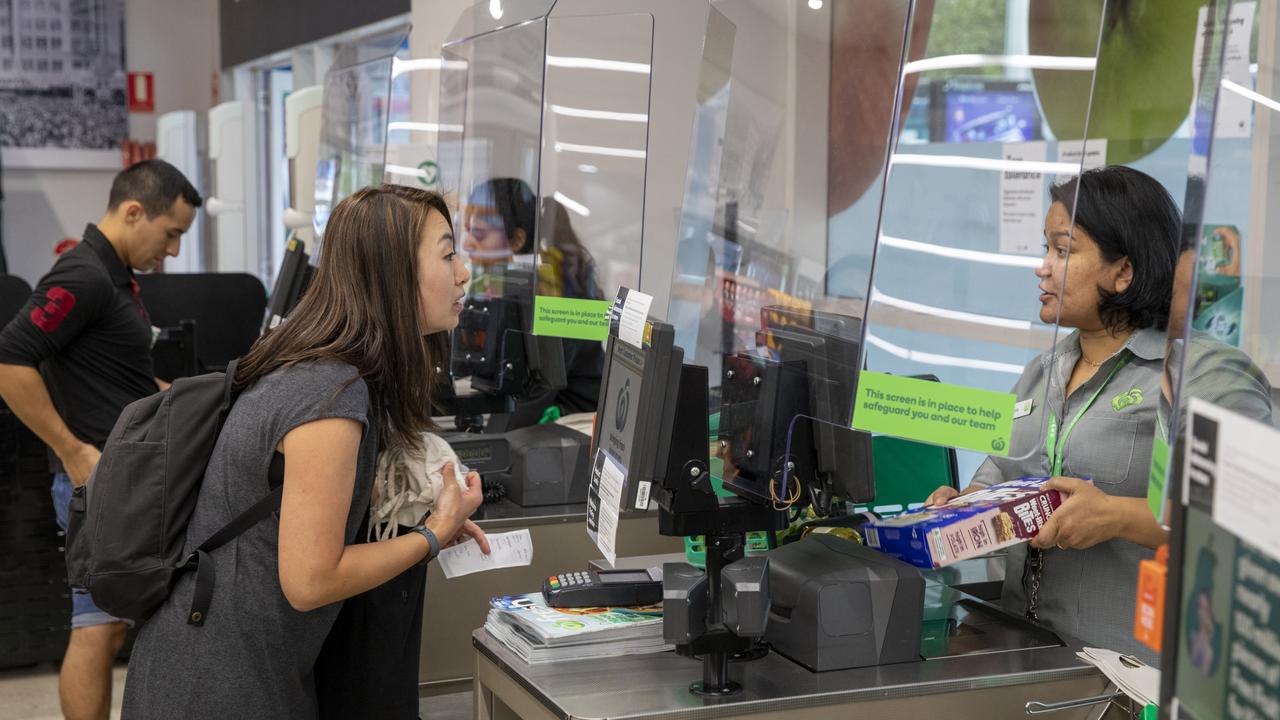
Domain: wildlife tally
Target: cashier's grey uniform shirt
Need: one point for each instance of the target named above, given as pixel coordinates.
(253, 656)
(1091, 593)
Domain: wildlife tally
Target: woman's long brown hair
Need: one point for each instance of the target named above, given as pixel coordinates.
(362, 308)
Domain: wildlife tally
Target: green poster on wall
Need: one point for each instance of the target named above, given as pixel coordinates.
(950, 415)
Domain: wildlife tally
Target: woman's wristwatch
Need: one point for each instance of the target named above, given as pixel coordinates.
(433, 542)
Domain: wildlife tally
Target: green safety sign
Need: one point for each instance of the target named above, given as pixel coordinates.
(571, 317)
(949, 415)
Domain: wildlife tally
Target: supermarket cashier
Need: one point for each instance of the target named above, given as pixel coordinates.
(1089, 409)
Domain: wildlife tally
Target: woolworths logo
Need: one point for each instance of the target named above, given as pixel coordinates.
(1125, 399)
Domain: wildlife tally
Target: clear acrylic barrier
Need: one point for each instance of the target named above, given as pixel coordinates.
(748, 297)
(1222, 339)
(491, 95)
(1201, 135)
(546, 148)
(1152, 103)
(962, 228)
(761, 293)
(353, 138)
(1225, 349)
(595, 125)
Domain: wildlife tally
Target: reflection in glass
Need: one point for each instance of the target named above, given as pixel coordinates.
(595, 125)
(543, 133)
(353, 138)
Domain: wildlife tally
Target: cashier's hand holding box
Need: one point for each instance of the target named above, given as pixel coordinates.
(974, 523)
(1087, 516)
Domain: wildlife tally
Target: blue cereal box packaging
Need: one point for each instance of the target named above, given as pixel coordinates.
(970, 525)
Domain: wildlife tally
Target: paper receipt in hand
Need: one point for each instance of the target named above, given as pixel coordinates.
(511, 549)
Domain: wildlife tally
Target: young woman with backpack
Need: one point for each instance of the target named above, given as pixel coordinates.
(351, 370)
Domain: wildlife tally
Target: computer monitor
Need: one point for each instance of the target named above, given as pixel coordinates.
(826, 323)
(984, 110)
(224, 309)
(493, 343)
(784, 424)
(636, 411)
(291, 282)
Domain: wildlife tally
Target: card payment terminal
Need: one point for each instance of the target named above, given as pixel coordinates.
(604, 588)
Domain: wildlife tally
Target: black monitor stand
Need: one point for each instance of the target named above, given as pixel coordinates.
(776, 452)
(688, 505)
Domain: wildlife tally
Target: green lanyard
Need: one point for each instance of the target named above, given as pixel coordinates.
(1053, 446)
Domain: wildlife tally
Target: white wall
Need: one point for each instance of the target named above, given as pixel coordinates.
(177, 40)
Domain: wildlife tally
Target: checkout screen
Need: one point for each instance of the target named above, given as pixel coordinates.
(634, 576)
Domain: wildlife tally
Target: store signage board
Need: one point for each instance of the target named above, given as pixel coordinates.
(1228, 648)
(1022, 200)
(630, 310)
(1234, 116)
(1232, 458)
(1090, 154)
(948, 415)
(572, 318)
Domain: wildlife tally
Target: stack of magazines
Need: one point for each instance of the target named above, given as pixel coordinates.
(539, 633)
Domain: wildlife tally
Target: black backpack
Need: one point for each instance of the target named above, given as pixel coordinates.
(127, 526)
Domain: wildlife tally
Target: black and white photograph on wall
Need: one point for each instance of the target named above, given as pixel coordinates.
(62, 76)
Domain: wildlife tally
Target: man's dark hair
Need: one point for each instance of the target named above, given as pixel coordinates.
(1129, 214)
(155, 184)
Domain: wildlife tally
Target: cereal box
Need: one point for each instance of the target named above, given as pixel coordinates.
(970, 525)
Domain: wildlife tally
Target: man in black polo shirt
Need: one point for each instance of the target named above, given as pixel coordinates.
(76, 354)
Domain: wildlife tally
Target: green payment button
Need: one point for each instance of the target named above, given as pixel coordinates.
(950, 415)
(571, 317)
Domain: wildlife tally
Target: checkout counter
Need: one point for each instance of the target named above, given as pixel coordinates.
(983, 664)
(751, 280)
(454, 608)
(958, 652)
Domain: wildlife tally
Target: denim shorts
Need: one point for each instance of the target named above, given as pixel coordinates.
(83, 612)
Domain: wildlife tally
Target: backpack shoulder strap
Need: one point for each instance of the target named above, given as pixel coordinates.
(199, 558)
(228, 391)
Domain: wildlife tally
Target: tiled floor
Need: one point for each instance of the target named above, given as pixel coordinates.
(32, 694)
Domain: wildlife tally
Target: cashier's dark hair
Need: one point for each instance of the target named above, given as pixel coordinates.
(1129, 214)
(155, 184)
(513, 200)
(362, 308)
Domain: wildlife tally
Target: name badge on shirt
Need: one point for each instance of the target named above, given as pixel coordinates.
(1022, 408)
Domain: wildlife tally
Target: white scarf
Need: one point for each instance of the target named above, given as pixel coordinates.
(407, 483)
